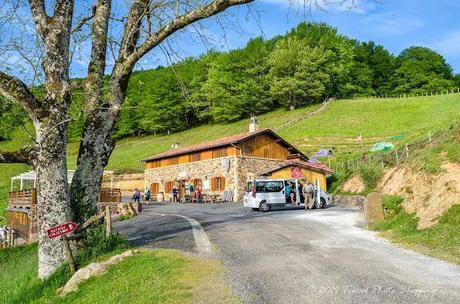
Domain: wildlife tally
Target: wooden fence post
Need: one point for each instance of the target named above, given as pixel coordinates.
(108, 221)
(72, 265)
(9, 237)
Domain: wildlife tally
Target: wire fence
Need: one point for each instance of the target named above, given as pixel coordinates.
(395, 157)
(424, 94)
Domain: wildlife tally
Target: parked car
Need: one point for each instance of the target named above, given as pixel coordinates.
(263, 194)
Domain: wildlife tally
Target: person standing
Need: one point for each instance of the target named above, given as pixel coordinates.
(137, 196)
(288, 191)
(147, 194)
(174, 194)
(307, 191)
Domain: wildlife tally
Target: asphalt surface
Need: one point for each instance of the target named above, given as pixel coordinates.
(294, 256)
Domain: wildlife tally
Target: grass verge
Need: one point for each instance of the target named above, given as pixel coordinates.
(440, 241)
(150, 276)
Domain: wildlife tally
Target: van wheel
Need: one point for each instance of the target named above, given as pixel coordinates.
(321, 203)
(255, 209)
(264, 207)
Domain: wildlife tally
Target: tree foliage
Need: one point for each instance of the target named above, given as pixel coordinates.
(308, 64)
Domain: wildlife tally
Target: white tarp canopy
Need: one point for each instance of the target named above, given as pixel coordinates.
(31, 177)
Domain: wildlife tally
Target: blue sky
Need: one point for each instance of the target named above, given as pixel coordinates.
(396, 24)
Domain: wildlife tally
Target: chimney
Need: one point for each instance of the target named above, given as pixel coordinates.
(175, 145)
(253, 124)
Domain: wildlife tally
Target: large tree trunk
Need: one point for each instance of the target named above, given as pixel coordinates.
(96, 147)
(52, 196)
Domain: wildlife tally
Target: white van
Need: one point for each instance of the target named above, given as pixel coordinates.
(263, 194)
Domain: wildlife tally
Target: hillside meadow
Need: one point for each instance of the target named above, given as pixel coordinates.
(336, 128)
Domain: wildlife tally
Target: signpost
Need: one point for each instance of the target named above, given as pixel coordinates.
(61, 229)
(64, 229)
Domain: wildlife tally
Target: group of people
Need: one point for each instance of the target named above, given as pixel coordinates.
(137, 195)
(191, 190)
(306, 189)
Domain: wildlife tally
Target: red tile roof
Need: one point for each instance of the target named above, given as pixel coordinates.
(224, 141)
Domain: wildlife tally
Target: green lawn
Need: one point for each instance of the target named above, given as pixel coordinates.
(158, 276)
(441, 241)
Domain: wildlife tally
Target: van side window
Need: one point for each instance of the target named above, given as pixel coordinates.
(260, 186)
(275, 186)
(269, 186)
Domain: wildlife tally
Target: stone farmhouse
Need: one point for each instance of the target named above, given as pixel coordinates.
(226, 164)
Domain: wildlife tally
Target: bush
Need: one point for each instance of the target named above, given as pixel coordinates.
(370, 174)
(96, 244)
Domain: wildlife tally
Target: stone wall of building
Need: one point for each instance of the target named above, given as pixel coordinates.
(247, 170)
(235, 170)
(217, 167)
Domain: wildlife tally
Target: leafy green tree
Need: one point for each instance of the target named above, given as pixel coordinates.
(422, 70)
(161, 102)
(297, 72)
(236, 86)
(338, 51)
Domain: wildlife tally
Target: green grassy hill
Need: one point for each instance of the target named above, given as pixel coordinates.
(336, 127)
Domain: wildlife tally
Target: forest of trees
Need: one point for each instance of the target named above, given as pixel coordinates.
(308, 64)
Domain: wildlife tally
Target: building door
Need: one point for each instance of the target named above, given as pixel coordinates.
(182, 187)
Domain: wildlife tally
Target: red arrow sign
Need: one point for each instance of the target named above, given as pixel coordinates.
(61, 229)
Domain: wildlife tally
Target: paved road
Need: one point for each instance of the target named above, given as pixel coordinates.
(293, 256)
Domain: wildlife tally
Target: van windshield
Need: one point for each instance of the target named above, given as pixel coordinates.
(269, 186)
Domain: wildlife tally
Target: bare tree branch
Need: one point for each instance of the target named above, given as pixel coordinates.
(39, 14)
(132, 28)
(84, 21)
(21, 156)
(178, 23)
(97, 64)
(14, 89)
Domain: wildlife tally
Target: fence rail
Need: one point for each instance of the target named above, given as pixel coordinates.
(394, 157)
(405, 95)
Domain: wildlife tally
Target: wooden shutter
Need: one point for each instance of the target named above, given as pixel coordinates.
(154, 188)
(218, 183)
(169, 186)
(221, 185)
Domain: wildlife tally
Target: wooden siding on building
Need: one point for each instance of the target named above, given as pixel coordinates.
(260, 146)
(264, 146)
(309, 175)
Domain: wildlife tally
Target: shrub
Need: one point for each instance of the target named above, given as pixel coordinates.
(370, 174)
(97, 244)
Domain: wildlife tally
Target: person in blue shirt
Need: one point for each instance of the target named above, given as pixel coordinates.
(137, 196)
(174, 195)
